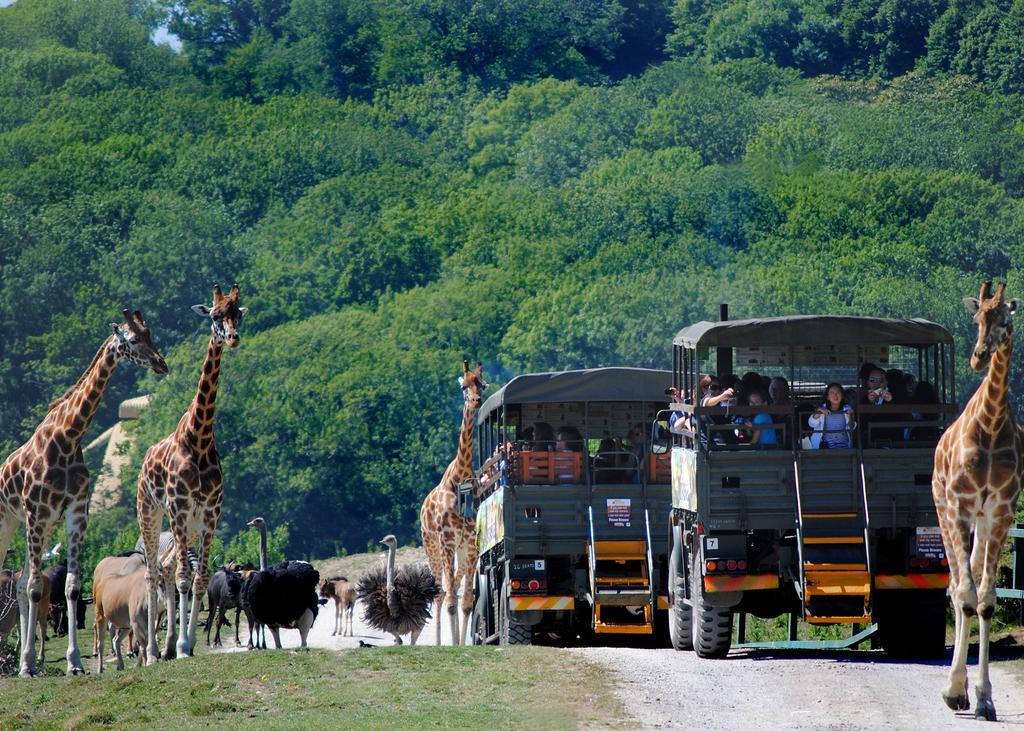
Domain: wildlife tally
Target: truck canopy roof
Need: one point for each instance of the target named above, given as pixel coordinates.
(592, 384)
(813, 330)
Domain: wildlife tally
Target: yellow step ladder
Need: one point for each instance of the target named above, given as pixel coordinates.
(836, 579)
(622, 587)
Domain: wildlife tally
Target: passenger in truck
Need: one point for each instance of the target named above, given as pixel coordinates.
(678, 421)
(543, 437)
(606, 462)
(764, 438)
(568, 439)
(832, 421)
(715, 395)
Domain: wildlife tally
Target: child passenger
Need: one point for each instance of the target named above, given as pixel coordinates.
(761, 438)
(832, 421)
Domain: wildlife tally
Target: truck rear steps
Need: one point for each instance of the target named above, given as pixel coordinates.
(622, 604)
(837, 584)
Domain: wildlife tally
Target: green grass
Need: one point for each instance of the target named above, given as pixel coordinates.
(383, 687)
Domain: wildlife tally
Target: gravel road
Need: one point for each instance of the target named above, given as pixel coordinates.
(838, 691)
(842, 691)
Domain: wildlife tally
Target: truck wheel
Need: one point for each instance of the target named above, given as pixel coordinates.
(680, 614)
(512, 633)
(712, 626)
(912, 624)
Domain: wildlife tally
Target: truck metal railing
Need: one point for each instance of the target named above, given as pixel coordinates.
(799, 534)
(1016, 591)
(867, 518)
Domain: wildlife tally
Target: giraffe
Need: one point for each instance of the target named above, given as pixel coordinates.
(447, 535)
(181, 476)
(975, 484)
(46, 478)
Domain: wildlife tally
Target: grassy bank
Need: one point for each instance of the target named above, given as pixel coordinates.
(422, 687)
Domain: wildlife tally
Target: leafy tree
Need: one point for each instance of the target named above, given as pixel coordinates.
(1005, 63)
(716, 121)
(210, 29)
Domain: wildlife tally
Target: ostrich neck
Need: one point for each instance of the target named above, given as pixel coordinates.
(391, 571)
(263, 547)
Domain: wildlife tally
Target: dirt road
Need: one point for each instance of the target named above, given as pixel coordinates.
(756, 690)
(840, 691)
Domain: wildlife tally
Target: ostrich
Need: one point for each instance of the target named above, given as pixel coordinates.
(397, 601)
(283, 595)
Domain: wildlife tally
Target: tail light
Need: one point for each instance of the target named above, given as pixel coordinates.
(712, 566)
(730, 565)
(516, 584)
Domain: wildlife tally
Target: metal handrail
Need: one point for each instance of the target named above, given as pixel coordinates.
(799, 534)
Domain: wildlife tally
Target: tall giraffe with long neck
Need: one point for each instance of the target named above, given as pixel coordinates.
(975, 484)
(448, 536)
(181, 476)
(46, 478)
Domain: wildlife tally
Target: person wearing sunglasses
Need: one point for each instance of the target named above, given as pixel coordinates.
(878, 392)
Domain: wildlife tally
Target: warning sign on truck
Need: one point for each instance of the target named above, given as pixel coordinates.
(618, 511)
(929, 543)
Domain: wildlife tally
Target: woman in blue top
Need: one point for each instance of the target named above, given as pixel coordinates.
(832, 421)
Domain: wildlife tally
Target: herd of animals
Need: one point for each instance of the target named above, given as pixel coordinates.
(977, 479)
(46, 480)
(284, 595)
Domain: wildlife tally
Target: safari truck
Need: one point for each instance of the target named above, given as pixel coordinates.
(831, 536)
(567, 488)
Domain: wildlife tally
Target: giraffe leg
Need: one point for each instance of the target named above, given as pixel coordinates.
(30, 591)
(467, 571)
(150, 517)
(183, 581)
(451, 593)
(965, 601)
(202, 578)
(432, 547)
(75, 519)
(988, 544)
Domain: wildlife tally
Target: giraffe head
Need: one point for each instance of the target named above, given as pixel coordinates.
(473, 384)
(132, 342)
(225, 314)
(994, 318)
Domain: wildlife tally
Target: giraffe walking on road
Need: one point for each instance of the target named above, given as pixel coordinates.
(977, 478)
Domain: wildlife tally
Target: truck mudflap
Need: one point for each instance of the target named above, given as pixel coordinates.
(540, 603)
(750, 582)
(912, 581)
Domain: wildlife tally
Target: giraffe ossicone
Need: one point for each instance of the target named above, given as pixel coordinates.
(975, 484)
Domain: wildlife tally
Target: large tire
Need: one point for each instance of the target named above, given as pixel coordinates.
(912, 624)
(712, 626)
(511, 633)
(680, 615)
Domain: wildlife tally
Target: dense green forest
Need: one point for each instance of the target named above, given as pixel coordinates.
(537, 184)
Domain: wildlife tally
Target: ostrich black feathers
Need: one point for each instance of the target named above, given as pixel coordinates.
(409, 609)
(280, 595)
